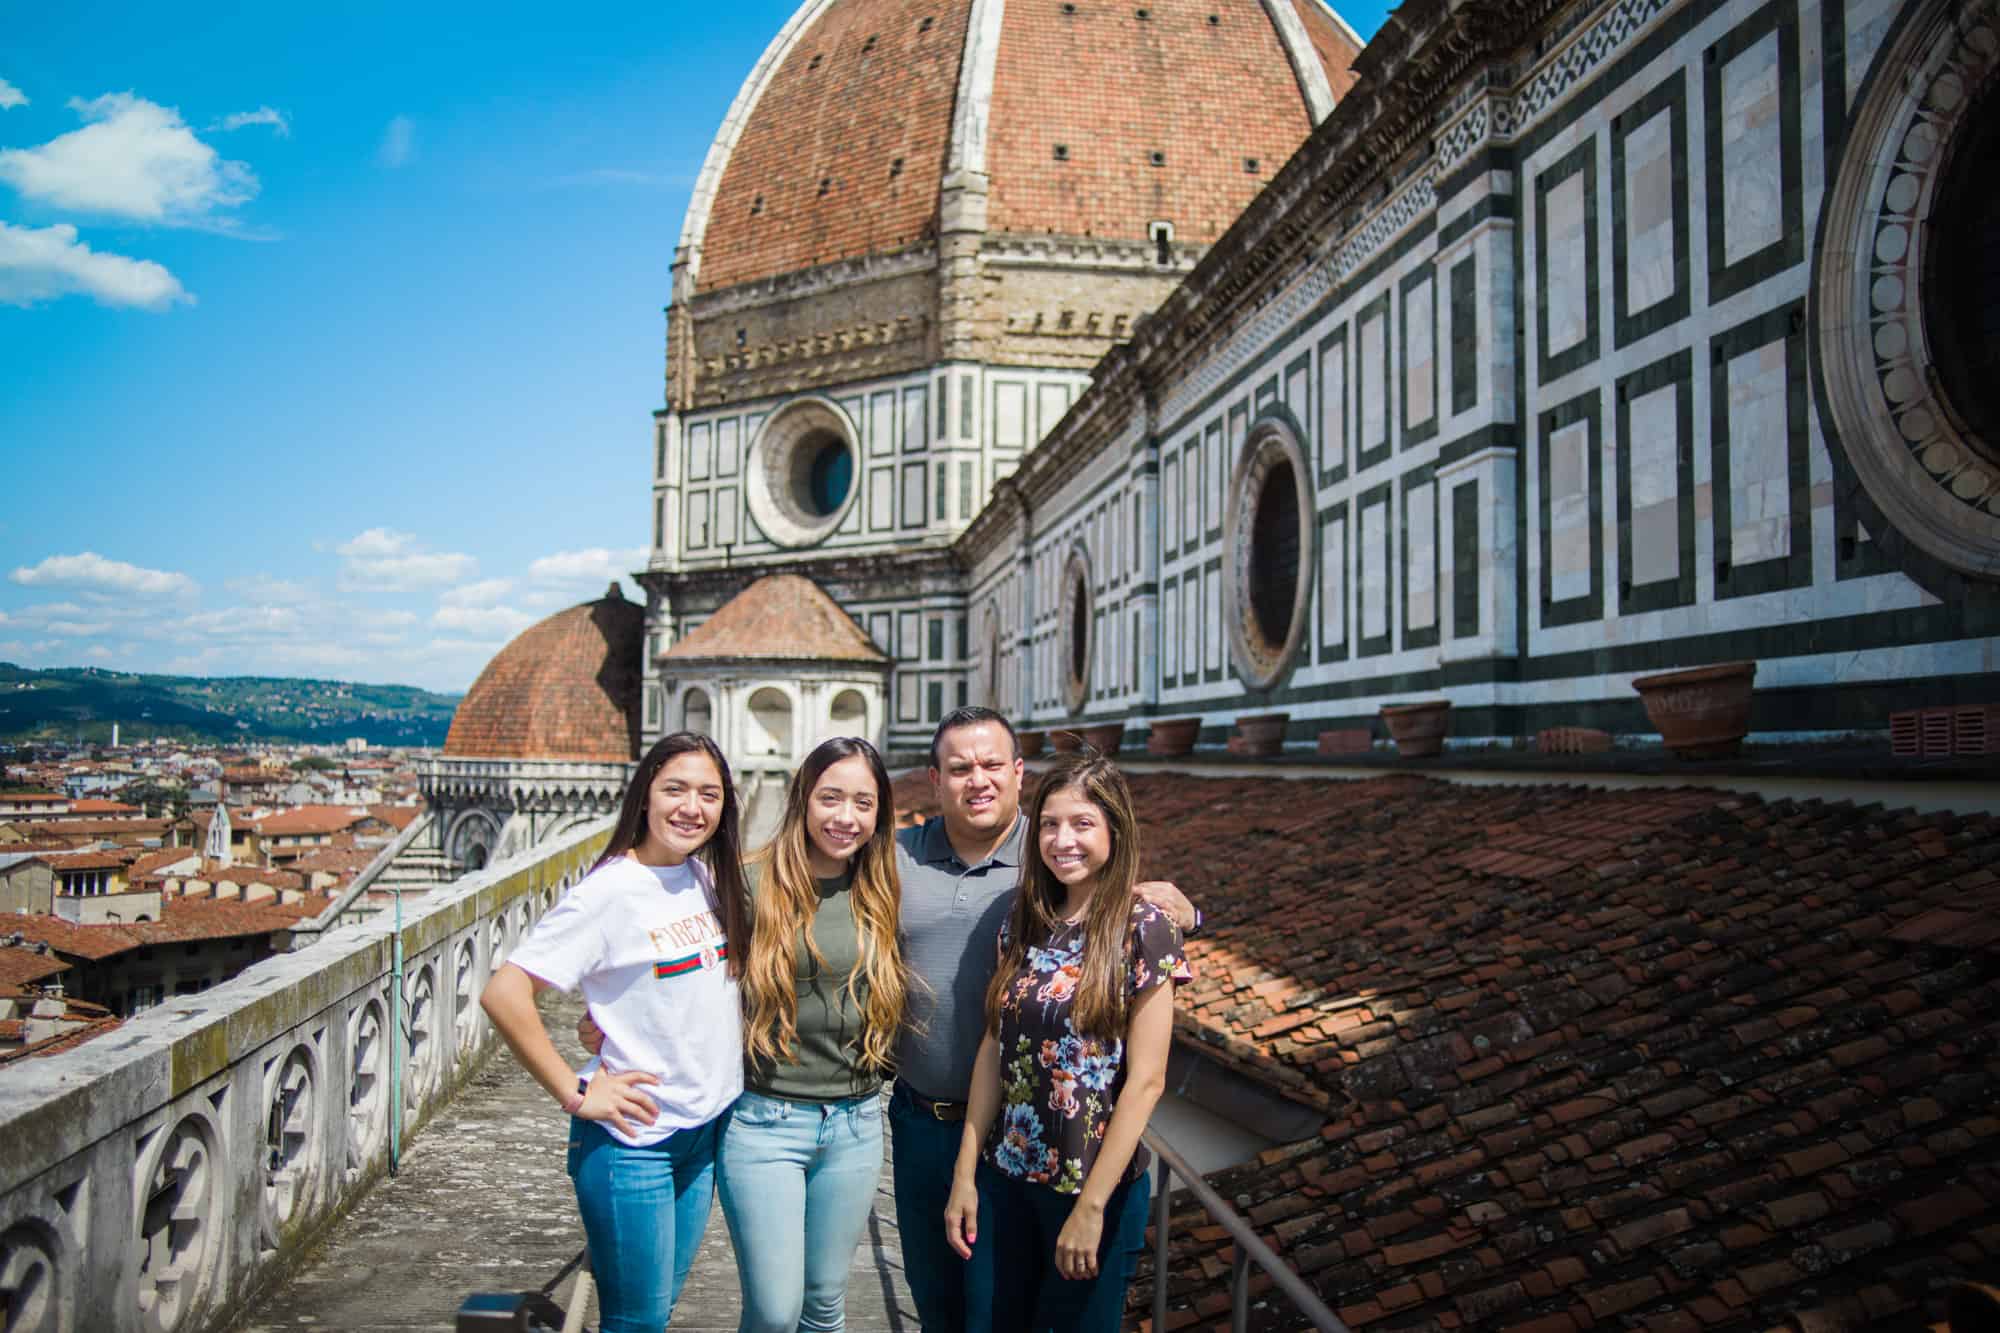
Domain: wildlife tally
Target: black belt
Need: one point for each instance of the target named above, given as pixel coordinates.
(937, 1110)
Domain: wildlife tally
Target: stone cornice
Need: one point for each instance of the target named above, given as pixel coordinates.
(815, 281)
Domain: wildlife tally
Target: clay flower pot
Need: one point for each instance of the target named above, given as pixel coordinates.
(1703, 713)
(1418, 729)
(1030, 743)
(1065, 742)
(1173, 736)
(1105, 737)
(1260, 735)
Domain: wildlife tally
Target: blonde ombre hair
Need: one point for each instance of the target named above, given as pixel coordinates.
(782, 910)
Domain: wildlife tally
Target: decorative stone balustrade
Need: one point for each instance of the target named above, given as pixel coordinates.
(161, 1176)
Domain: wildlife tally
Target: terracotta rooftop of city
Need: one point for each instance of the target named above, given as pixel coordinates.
(779, 617)
(565, 688)
(1661, 1059)
(1098, 120)
(182, 920)
(311, 821)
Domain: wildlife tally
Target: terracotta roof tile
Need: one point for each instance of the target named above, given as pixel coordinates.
(310, 820)
(781, 617)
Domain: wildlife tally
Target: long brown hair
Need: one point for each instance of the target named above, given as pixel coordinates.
(783, 911)
(722, 853)
(1107, 925)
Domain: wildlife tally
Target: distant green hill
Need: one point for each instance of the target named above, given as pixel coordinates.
(68, 702)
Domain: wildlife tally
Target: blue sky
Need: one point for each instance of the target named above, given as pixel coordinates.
(329, 337)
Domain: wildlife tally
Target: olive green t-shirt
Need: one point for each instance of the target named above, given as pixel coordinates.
(829, 1024)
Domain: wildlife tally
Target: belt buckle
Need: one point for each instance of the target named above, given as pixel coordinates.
(937, 1110)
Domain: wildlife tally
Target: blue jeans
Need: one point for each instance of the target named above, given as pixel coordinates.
(1012, 1283)
(644, 1210)
(797, 1181)
(923, 1151)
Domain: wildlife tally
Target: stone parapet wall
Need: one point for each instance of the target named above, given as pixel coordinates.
(165, 1174)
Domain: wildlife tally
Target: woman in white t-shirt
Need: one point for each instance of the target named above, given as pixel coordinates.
(654, 937)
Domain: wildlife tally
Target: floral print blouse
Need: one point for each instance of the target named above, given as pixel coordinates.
(1057, 1087)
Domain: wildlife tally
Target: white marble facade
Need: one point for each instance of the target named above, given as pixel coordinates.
(1655, 266)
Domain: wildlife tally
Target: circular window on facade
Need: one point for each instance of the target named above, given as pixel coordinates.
(1904, 338)
(1076, 627)
(1268, 539)
(800, 475)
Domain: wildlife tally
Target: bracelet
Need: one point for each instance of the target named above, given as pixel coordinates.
(572, 1101)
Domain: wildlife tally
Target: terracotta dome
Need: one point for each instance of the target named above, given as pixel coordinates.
(1087, 119)
(565, 688)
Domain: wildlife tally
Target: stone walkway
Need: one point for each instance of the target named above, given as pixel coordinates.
(481, 1203)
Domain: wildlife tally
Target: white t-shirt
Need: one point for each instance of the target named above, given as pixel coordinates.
(645, 945)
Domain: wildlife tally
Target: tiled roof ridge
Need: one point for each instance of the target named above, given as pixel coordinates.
(780, 616)
(1666, 1059)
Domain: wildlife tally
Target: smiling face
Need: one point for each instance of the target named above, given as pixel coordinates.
(683, 810)
(1074, 837)
(840, 815)
(978, 782)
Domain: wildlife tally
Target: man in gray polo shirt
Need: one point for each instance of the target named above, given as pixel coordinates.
(959, 874)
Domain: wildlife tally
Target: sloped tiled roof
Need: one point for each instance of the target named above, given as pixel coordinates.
(183, 920)
(781, 617)
(309, 820)
(1662, 1059)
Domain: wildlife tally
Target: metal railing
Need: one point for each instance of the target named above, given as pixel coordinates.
(1249, 1249)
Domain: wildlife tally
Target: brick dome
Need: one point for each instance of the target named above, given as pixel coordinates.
(1087, 119)
(565, 688)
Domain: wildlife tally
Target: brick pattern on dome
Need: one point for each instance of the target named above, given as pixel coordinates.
(1114, 89)
(1336, 50)
(784, 617)
(867, 84)
(566, 688)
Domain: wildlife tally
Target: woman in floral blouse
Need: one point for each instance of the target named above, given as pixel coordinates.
(1079, 1017)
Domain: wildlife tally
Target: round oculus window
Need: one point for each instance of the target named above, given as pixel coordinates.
(799, 478)
(1076, 630)
(1268, 541)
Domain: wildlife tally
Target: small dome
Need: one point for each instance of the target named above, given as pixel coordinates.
(565, 688)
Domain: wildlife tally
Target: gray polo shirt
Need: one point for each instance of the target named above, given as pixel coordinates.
(951, 925)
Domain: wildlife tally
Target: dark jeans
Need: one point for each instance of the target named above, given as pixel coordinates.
(1012, 1286)
(922, 1152)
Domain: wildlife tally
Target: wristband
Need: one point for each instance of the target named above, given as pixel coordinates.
(573, 1101)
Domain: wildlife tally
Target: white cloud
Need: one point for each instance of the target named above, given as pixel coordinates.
(11, 97)
(265, 588)
(597, 564)
(280, 123)
(496, 621)
(132, 159)
(97, 650)
(90, 570)
(486, 592)
(399, 142)
(75, 629)
(43, 263)
(385, 561)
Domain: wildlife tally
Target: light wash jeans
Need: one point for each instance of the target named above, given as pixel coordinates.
(797, 1180)
(644, 1210)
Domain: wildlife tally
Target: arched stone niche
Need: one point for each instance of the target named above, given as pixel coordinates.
(1269, 545)
(1077, 629)
(803, 472)
(1912, 408)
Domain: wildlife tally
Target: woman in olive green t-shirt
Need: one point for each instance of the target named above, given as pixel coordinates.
(823, 991)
